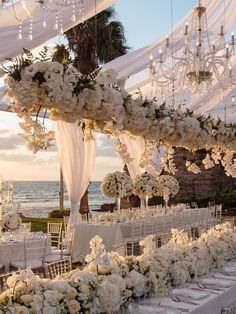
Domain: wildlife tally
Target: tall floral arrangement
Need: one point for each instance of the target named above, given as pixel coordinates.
(144, 185)
(166, 182)
(117, 184)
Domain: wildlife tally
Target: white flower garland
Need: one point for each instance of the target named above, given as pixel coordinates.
(117, 184)
(123, 278)
(192, 167)
(103, 100)
(123, 153)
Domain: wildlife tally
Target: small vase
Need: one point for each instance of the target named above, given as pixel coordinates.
(118, 203)
(146, 201)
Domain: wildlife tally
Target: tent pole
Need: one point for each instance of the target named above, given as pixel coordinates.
(61, 192)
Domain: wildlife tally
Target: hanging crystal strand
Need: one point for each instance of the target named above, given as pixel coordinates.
(61, 31)
(55, 26)
(44, 20)
(82, 10)
(30, 37)
(73, 18)
(19, 36)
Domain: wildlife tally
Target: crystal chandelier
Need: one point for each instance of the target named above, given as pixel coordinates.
(200, 62)
(43, 10)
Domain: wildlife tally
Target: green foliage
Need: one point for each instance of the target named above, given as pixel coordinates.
(23, 61)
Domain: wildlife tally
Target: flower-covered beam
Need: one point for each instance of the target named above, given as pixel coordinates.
(102, 102)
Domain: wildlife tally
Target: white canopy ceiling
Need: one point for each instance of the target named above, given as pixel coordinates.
(134, 65)
(9, 22)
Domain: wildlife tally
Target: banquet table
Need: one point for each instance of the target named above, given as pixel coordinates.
(212, 304)
(112, 233)
(13, 250)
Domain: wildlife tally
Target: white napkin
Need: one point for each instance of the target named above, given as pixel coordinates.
(195, 295)
(217, 282)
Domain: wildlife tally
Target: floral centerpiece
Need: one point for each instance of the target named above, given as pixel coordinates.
(144, 186)
(166, 186)
(117, 184)
(11, 222)
(119, 280)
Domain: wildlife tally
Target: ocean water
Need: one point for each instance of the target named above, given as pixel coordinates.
(38, 198)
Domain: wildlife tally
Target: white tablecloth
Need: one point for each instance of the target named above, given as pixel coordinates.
(14, 251)
(213, 304)
(113, 234)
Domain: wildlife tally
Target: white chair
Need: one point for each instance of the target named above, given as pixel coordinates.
(136, 235)
(168, 223)
(34, 252)
(201, 230)
(3, 281)
(218, 213)
(66, 221)
(120, 249)
(148, 227)
(65, 249)
(26, 226)
(54, 229)
(163, 239)
(52, 270)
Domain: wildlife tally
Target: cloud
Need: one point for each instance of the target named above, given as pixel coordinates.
(9, 140)
(105, 146)
(17, 158)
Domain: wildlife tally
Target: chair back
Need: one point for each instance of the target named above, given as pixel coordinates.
(58, 268)
(218, 213)
(168, 223)
(66, 221)
(35, 247)
(149, 227)
(159, 226)
(163, 239)
(54, 228)
(120, 249)
(26, 226)
(3, 281)
(136, 230)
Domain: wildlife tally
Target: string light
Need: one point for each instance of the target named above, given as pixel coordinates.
(30, 37)
(19, 36)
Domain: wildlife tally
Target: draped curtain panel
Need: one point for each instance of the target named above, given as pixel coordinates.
(135, 148)
(76, 158)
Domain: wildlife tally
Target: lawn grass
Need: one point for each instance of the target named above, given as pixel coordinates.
(40, 224)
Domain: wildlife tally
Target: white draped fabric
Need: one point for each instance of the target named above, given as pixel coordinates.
(136, 148)
(135, 63)
(11, 47)
(76, 158)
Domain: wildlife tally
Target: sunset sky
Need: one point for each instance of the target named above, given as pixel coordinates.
(144, 22)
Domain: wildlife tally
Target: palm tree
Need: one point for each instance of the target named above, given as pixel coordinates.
(98, 40)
